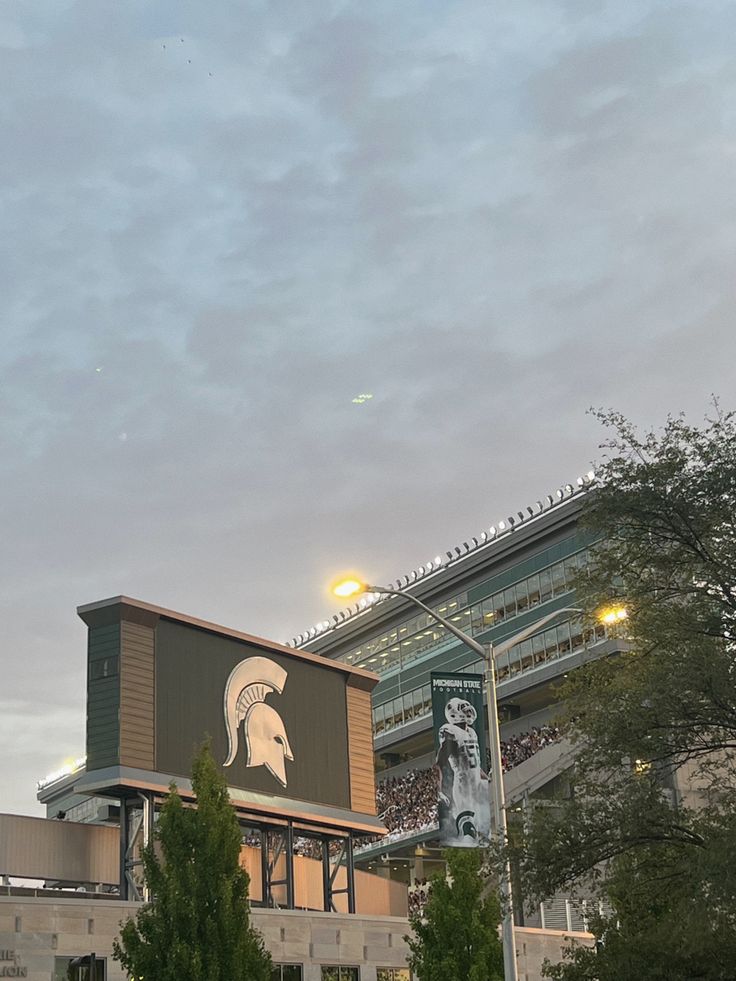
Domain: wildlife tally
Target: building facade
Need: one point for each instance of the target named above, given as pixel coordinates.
(513, 576)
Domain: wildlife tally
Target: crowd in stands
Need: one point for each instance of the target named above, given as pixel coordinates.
(418, 896)
(307, 847)
(520, 748)
(409, 803)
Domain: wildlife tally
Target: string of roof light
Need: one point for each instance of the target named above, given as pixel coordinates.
(73, 766)
(487, 537)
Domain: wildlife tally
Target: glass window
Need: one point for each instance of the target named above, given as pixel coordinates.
(563, 639)
(63, 970)
(286, 972)
(408, 649)
(509, 602)
(538, 649)
(398, 711)
(533, 590)
(417, 700)
(379, 722)
(389, 659)
(393, 974)
(487, 606)
(525, 653)
(545, 585)
(576, 635)
(340, 973)
(408, 703)
(571, 569)
(558, 579)
(522, 597)
(476, 619)
(388, 716)
(499, 612)
(550, 643)
(426, 698)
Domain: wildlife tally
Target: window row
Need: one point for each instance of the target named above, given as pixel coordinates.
(63, 971)
(548, 645)
(411, 705)
(420, 636)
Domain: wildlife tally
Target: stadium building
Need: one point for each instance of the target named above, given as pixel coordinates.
(515, 577)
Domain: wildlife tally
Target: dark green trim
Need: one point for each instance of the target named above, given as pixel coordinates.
(103, 699)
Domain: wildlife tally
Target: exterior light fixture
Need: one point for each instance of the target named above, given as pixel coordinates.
(612, 615)
(348, 587)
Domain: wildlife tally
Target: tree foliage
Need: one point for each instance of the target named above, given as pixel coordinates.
(660, 716)
(457, 938)
(197, 926)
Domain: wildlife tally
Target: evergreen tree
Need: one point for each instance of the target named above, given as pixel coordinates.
(197, 926)
(457, 937)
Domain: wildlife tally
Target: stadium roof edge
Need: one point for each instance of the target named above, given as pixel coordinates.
(485, 542)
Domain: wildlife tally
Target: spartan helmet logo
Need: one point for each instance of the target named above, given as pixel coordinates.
(459, 712)
(266, 742)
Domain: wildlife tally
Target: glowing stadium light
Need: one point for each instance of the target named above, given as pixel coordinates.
(347, 587)
(550, 500)
(613, 614)
(590, 475)
(69, 767)
(502, 526)
(580, 481)
(560, 493)
(484, 536)
(438, 560)
(569, 488)
(492, 531)
(539, 506)
(428, 567)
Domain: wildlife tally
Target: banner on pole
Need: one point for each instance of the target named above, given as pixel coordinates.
(459, 733)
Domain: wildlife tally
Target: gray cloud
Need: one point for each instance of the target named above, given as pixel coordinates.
(489, 219)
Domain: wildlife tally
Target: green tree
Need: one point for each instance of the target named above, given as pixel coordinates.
(197, 926)
(665, 514)
(457, 938)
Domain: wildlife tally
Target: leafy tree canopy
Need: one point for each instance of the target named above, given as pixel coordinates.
(663, 712)
(197, 926)
(457, 938)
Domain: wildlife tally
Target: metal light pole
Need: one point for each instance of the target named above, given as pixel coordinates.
(488, 655)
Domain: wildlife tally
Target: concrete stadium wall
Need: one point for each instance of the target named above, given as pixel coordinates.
(35, 930)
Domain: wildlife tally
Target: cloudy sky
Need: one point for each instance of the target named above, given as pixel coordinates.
(222, 222)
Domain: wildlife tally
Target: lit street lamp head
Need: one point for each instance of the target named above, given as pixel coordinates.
(612, 615)
(349, 587)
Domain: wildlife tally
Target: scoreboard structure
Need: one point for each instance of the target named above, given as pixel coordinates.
(290, 730)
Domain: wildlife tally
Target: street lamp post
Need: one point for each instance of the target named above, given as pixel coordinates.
(488, 654)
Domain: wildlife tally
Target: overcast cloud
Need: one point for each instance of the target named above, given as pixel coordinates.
(222, 222)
